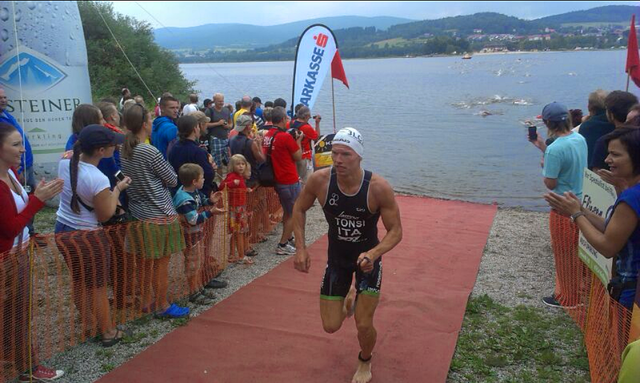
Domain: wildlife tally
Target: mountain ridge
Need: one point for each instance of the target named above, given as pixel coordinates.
(483, 31)
(237, 35)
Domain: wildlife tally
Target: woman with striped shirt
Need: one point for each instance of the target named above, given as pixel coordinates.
(157, 236)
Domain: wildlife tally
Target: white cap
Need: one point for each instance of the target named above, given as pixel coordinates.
(351, 138)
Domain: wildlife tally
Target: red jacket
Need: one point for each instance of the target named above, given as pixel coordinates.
(12, 223)
(237, 193)
(309, 134)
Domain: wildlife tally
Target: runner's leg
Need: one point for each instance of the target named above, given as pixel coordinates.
(332, 314)
(335, 287)
(367, 335)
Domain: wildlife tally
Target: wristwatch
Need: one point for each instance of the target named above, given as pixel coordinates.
(576, 215)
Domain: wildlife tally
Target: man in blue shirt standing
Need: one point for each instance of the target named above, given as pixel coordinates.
(164, 127)
(563, 170)
(26, 163)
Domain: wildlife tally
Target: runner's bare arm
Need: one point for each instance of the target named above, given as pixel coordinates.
(390, 213)
(316, 184)
(303, 203)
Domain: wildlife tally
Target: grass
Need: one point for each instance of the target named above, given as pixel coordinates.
(104, 353)
(392, 42)
(175, 323)
(106, 367)
(45, 220)
(521, 344)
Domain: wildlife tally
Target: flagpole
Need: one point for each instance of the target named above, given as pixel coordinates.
(632, 54)
(333, 102)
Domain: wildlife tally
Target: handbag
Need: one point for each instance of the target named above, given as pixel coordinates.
(120, 215)
(266, 177)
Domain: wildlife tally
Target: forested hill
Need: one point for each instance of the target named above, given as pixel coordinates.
(609, 13)
(488, 22)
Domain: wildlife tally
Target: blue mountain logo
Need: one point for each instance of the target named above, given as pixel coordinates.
(35, 73)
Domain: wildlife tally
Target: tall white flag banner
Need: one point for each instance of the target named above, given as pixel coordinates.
(316, 48)
(598, 197)
(44, 71)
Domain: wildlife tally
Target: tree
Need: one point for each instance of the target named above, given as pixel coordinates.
(110, 71)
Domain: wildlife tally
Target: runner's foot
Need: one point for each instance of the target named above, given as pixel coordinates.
(350, 302)
(363, 373)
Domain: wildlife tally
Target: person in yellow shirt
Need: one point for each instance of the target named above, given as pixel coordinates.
(630, 369)
(245, 107)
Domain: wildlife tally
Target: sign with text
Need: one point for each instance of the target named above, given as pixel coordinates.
(598, 197)
(44, 72)
(322, 149)
(316, 48)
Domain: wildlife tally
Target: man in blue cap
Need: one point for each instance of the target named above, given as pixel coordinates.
(563, 170)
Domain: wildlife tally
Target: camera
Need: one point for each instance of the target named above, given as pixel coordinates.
(295, 133)
(119, 175)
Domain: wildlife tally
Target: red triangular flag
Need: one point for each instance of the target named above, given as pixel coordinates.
(633, 62)
(337, 70)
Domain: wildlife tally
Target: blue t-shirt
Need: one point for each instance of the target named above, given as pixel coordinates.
(628, 263)
(565, 160)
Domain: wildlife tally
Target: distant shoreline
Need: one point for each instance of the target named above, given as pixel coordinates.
(423, 56)
(532, 52)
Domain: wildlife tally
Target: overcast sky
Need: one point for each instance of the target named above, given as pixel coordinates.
(188, 13)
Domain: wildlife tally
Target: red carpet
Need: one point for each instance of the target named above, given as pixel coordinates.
(270, 330)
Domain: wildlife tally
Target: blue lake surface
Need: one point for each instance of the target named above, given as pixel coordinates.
(422, 118)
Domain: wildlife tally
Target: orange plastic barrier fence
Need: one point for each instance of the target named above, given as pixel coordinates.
(81, 284)
(604, 322)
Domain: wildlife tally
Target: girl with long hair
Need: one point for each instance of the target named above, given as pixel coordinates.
(157, 235)
(85, 202)
(239, 170)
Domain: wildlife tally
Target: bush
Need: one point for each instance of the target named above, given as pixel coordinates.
(109, 69)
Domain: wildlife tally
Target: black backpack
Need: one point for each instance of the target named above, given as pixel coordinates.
(266, 177)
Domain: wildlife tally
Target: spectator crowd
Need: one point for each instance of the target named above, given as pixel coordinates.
(606, 141)
(164, 170)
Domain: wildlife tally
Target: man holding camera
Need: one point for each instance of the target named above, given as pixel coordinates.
(563, 171)
(218, 131)
(285, 151)
(303, 115)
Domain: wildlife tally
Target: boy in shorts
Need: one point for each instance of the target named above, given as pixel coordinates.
(187, 201)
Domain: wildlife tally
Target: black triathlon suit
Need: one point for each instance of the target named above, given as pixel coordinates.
(353, 230)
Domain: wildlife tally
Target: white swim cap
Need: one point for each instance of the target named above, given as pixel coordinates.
(351, 138)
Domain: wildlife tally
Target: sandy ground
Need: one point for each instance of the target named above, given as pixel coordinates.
(517, 264)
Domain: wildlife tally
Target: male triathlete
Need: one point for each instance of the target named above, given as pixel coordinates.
(352, 199)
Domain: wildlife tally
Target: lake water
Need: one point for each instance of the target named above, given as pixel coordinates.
(422, 118)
